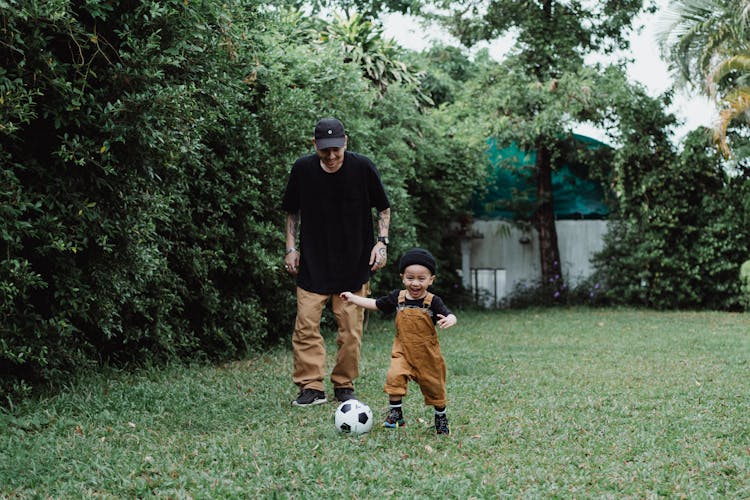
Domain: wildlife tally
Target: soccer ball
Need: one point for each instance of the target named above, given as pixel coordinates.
(353, 417)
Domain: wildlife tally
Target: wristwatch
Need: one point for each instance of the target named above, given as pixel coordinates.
(383, 240)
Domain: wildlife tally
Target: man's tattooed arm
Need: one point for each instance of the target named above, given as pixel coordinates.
(292, 228)
(384, 221)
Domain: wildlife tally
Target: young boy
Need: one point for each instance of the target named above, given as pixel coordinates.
(416, 352)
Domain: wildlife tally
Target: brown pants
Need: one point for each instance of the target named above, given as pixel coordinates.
(309, 346)
(416, 355)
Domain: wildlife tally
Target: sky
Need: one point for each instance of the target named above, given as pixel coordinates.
(691, 109)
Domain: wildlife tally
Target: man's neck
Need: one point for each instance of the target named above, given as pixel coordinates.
(331, 170)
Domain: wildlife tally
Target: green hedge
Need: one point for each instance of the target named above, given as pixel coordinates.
(139, 213)
(145, 146)
(683, 233)
(144, 151)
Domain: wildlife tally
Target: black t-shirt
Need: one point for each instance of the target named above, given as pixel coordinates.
(389, 303)
(336, 221)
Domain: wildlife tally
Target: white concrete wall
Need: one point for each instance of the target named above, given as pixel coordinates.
(501, 248)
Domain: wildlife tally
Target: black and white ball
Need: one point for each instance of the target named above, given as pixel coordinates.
(353, 417)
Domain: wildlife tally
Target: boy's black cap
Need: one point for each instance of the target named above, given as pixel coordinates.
(417, 256)
(329, 133)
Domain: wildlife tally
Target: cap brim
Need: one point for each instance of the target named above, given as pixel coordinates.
(333, 142)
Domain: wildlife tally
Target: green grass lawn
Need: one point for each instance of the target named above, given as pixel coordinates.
(542, 403)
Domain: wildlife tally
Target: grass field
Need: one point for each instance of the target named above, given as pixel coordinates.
(544, 403)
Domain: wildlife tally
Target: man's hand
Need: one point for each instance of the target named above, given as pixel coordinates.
(291, 261)
(378, 256)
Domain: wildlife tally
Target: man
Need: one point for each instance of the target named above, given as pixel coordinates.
(329, 199)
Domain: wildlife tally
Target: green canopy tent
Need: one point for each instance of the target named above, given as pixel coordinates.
(511, 190)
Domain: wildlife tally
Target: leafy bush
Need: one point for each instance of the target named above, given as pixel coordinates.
(682, 236)
(745, 284)
(141, 182)
(145, 148)
(588, 292)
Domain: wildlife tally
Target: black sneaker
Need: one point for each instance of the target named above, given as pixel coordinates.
(344, 394)
(394, 419)
(310, 397)
(441, 424)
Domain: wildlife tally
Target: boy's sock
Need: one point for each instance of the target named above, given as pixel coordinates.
(441, 421)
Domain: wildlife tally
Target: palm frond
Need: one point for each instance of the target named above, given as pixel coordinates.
(735, 105)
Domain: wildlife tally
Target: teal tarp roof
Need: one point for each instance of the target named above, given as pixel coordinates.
(576, 196)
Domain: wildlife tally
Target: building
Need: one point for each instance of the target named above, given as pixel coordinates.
(501, 252)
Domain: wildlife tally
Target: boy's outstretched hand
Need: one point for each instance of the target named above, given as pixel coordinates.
(358, 300)
(446, 321)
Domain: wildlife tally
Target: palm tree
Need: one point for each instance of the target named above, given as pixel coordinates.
(707, 44)
(379, 58)
(735, 101)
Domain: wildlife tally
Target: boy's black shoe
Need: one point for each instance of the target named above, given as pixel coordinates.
(441, 424)
(394, 419)
(344, 394)
(310, 397)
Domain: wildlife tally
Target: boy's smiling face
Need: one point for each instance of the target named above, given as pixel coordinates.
(417, 278)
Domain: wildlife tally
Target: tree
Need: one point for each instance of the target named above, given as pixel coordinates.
(145, 146)
(370, 9)
(444, 70)
(544, 87)
(708, 45)
(380, 59)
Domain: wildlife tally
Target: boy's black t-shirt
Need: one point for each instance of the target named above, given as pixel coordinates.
(336, 221)
(389, 303)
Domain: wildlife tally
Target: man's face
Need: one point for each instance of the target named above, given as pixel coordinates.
(331, 158)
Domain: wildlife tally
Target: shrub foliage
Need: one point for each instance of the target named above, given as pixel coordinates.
(138, 219)
(682, 232)
(145, 146)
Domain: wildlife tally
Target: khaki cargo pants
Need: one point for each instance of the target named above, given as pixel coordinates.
(416, 355)
(309, 346)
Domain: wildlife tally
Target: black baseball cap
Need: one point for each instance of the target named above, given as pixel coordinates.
(329, 133)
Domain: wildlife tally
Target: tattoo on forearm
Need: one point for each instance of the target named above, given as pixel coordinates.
(384, 221)
(292, 225)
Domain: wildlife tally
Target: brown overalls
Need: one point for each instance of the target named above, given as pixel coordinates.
(416, 354)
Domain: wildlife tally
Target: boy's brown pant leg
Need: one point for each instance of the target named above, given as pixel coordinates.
(399, 372)
(431, 376)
